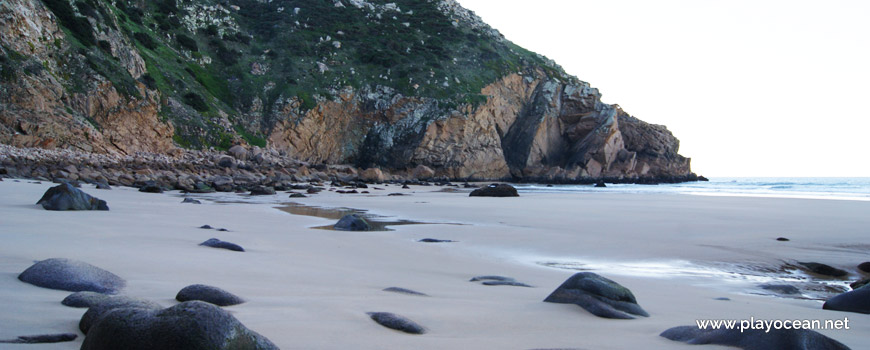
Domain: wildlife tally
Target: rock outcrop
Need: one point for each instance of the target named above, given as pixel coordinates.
(66, 197)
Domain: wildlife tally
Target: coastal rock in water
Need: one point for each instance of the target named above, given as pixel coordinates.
(399, 323)
(404, 291)
(598, 295)
(857, 300)
(216, 243)
(189, 325)
(859, 284)
(823, 269)
(495, 190)
(191, 201)
(864, 266)
(101, 308)
(84, 299)
(208, 294)
(352, 222)
(42, 339)
(780, 288)
(755, 339)
(67, 197)
(72, 275)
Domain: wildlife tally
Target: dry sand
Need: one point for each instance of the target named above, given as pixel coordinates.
(310, 289)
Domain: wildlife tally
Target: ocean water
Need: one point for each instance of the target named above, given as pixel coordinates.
(833, 188)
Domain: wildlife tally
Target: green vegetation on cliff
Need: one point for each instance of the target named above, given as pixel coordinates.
(218, 62)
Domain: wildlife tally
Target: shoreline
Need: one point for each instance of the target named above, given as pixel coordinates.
(310, 288)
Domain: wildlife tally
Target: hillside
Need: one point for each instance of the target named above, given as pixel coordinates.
(372, 83)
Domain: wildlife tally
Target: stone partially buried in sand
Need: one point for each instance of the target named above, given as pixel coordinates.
(72, 275)
(399, 323)
(216, 243)
(352, 222)
(67, 197)
(102, 307)
(822, 269)
(598, 295)
(495, 190)
(755, 339)
(42, 339)
(191, 325)
(208, 294)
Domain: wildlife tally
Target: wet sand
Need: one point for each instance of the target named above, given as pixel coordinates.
(310, 288)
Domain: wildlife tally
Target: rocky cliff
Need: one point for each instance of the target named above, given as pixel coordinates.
(389, 85)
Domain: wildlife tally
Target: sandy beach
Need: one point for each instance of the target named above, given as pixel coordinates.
(311, 288)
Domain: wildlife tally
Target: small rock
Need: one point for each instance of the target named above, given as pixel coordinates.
(84, 299)
(491, 278)
(823, 269)
(298, 195)
(216, 243)
(495, 190)
(72, 275)
(191, 201)
(859, 284)
(223, 230)
(206, 227)
(151, 187)
(600, 184)
(67, 197)
(406, 187)
(404, 291)
(433, 240)
(42, 339)
(399, 323)
(783, 239)
(103, 186)
(505, 283)
(352, 222)
(208, 294)
(262, 191)
(722, 299)
(396, 194)
(598, 295)
(755, 339)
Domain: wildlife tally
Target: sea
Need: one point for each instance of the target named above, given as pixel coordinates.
(832, 188)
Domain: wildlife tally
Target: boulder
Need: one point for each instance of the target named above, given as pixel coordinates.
(151, 187)
(226, 162)
(823, 269)
(72, 275)
(755, 339)
(216, 243)
(373, 175)
(422, 172)
(42, 339)
(598, 295)
(191, 325)
(67, 197)
(864, 267)
(103, 307)
(238, 152)
(399, 323)
(208, 294)
(404, 291)
(600, 184)
(262, 191)
(495, 190)
(298, 195)
(352, 222)
(857, 300)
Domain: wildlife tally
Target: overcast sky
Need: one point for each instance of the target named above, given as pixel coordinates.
(751, 88)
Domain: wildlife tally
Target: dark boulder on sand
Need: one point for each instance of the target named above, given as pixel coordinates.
(857, 300)
(216, 243)
(208, 294)
(151, 187)
(495, 190)
(598, 295)
(112, 302)
(352, 222)
(822, 269)
(72, 275)
(434, 240)
(492, 280)
(399, 323)
(42, 339)
(864, 267)
(191, 325)
(67, 197)
(84, 299)
(755, 339)
(262, 191)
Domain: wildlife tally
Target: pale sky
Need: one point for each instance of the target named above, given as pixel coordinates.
(751, 88)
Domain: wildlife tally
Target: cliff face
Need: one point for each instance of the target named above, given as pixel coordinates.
(449, 92)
